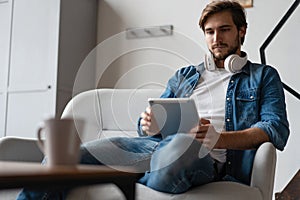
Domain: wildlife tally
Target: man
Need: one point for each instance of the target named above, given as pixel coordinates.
(254, 110)
(239, 110)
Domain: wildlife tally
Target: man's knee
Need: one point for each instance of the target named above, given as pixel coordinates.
(181, 150)
(86, 157)
(166, 180)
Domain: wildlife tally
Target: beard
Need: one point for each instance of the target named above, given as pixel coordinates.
(231, 50)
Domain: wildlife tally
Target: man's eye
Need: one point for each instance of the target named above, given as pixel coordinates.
(209, 32)
(225, 29)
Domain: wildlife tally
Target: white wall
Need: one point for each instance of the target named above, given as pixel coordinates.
(181, 49)
(149, 62)
(282, 53)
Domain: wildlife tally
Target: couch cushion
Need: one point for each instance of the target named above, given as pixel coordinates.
(109, 110)
(211, 191)
(120, 109)
(85, 106)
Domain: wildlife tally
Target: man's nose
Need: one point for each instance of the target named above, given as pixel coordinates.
(217, 37)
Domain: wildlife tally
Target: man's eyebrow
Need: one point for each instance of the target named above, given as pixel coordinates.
(225, 26)
(222, 26)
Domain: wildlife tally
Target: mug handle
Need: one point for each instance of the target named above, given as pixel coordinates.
(40, 142)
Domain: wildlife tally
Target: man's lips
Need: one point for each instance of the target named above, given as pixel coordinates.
(219, 46)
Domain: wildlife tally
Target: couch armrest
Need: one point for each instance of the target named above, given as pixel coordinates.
(20, 149)
(263, 170)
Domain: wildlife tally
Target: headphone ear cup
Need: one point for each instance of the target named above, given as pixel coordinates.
(234, 63)
(209, 62)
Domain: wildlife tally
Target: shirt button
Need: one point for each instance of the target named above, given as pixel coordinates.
(229, 163)
(228, 119)
(232, 81)
(251, 97)
(228, 99)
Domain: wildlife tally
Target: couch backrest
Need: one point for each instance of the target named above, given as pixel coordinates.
(109, 110)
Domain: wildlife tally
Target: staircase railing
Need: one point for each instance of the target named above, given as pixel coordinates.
(270, 38)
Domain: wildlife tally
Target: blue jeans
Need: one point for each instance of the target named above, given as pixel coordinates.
(171, 165)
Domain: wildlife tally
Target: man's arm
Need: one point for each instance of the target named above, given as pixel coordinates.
(249, 138)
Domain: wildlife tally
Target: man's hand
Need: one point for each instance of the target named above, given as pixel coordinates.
(148, 125)
(206, 134)
(249, 138)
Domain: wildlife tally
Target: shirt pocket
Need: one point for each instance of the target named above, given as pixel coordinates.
(247, 102)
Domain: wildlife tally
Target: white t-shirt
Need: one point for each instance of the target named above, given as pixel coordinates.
(209, 96)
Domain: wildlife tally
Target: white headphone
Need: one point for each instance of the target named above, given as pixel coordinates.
(233, 63)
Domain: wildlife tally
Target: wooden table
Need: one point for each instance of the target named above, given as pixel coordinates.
(292, 190)
(35, 175)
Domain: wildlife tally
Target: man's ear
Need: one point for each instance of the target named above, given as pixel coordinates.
(243, 31)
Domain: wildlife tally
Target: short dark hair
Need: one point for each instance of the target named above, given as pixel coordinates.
(237, 12)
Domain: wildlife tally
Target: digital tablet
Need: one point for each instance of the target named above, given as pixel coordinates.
(172, 115)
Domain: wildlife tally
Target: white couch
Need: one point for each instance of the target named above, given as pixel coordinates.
(114, 112)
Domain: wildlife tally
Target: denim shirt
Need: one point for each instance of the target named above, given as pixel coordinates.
(254, 98)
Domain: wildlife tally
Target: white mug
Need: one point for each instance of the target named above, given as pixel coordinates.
(62, 141)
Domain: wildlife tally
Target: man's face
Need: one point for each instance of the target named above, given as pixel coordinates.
(222, 36)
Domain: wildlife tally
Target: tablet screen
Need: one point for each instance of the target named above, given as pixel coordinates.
(173, 115)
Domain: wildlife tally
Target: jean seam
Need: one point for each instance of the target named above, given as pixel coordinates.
(180, 181)
(139, 160)
(45, 197)
(174, 190)
(203, 173)
(149, 155)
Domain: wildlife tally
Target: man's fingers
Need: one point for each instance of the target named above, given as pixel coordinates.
(145, 128)
(200, 135)
(145, 116)
(204, 121)
(145, 122)
(148, 110)
(199, 129)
